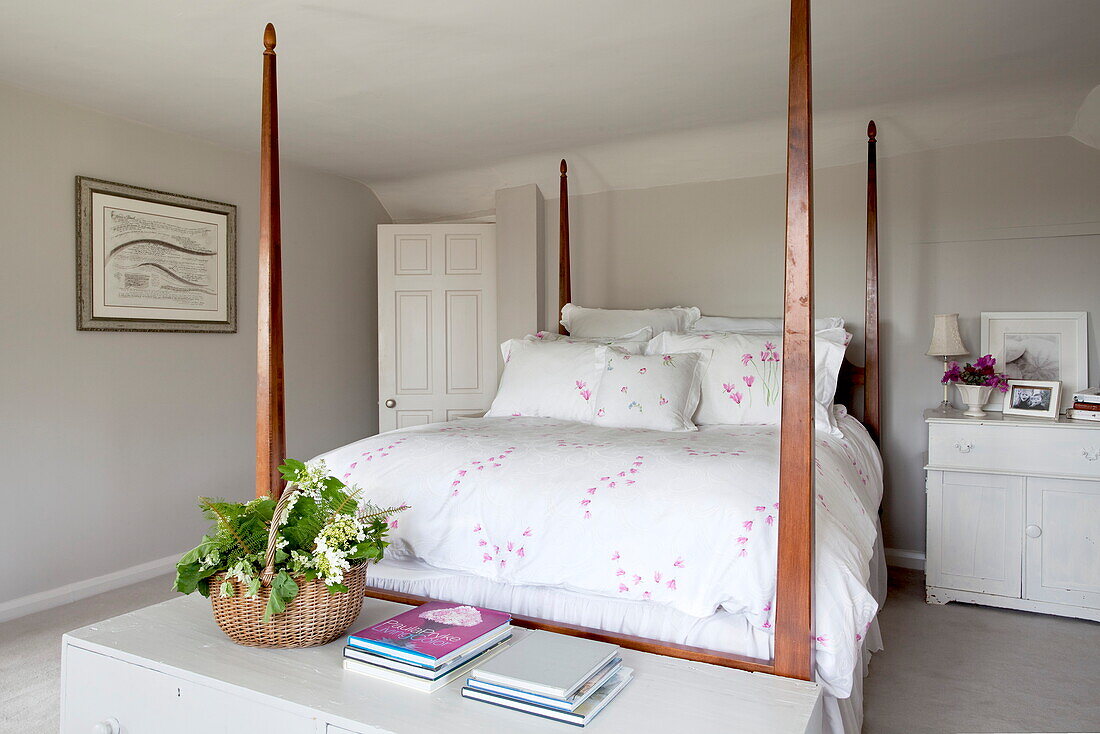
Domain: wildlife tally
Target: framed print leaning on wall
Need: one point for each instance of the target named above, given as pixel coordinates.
(1039, 345)
(153, 261)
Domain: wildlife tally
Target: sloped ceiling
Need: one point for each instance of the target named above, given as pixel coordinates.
(437, 103)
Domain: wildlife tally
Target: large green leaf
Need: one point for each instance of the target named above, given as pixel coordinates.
(283, 591)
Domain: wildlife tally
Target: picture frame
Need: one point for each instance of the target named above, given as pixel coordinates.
(153, 261)
(1039, 346)
(1033, 398)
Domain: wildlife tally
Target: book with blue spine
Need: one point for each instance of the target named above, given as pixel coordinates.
(583, 714)
(571, 703)
(432, 634)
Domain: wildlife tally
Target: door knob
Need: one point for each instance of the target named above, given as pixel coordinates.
(107, 726)
(1033, 531)
(391, 403)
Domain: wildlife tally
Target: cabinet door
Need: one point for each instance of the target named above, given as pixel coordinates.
(975, 532)
(98, 689)
(1063, 541)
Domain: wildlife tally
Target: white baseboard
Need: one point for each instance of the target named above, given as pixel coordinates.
(83, 589)
(905, 558)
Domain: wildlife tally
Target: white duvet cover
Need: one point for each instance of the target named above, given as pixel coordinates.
(683, 520)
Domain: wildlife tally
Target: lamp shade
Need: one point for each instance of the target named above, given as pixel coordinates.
(946, 340)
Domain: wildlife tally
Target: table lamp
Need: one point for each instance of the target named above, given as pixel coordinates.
(946, 342)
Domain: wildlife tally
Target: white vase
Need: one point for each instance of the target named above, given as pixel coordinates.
(975, 396)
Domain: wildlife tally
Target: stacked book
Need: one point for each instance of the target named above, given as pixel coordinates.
(1086, 405)
(557, 677)
(428, 647)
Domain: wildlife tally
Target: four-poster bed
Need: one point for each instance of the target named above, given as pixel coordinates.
(794, 635)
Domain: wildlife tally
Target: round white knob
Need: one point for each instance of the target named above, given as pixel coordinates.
(1033, 531)
(391, 403)
(107, 726)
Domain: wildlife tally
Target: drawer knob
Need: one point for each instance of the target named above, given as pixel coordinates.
(107, 726)
(1091, 453)
(1033, 531)
(964, 447)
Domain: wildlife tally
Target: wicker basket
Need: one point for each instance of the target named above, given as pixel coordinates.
(313, 617)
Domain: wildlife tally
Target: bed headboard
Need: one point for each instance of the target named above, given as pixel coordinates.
(855, 381)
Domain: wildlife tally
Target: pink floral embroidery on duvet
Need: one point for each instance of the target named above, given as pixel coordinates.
(621, 479)
(500, 555)
(628, 581)
(713, 453)
(478, 465)
(374, 455)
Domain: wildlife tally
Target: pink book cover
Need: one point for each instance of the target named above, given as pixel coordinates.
(432, 630)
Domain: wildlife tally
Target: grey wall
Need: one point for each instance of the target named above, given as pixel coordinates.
(1004, 226)
(107, 438)
(520, 244)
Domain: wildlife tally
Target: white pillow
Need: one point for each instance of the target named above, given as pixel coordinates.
(635, 342)
(548, 380)
(659, 392)
(747, 325)
(582, 321)
(743, 383)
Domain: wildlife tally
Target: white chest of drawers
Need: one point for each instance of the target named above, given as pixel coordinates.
(1014, 513)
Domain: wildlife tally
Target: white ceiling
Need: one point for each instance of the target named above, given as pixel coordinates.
(436, 103)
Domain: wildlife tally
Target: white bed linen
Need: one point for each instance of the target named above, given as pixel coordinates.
(675, 524)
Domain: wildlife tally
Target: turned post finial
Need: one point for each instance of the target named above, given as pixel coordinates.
(564, 168)
(872, 131)
(269, 38)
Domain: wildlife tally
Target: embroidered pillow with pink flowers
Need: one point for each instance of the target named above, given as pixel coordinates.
(659, 392)
(743, 383)
(548, 379)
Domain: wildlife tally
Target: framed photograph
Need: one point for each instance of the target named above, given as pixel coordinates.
(153, 261)
(1033, 398)
(1039, 345)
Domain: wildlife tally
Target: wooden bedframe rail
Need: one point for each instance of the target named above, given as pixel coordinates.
(794, 636)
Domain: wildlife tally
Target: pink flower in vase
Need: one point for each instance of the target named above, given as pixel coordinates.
(586, 394)
(736, 397)
(749, 379)
(727, 387)
(745, 359)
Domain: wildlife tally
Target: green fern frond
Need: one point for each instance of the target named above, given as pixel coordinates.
(225, 522)
(373, 512)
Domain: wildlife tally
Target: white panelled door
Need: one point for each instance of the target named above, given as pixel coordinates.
(437, 322)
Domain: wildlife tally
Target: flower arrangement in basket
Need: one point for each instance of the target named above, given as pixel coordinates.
(975, 382)
(290, 573)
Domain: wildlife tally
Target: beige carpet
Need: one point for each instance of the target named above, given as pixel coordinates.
(955, 668)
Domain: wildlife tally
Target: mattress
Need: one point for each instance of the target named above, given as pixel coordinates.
(663, 535)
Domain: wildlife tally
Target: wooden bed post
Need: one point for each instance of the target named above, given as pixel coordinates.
(794, 613)
(872, 406)
(270, 417)
(565, 294)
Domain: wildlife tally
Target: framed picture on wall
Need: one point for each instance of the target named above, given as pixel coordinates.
(153, 261)
(1039, 345)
